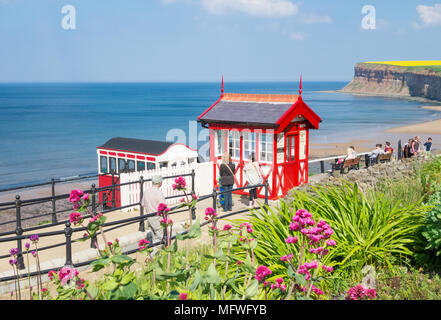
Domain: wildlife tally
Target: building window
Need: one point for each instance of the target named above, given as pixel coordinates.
(151, 166)
(235, 144)
(163, 165)
(131, 165)
(140, 165)
(103, 164)
(220, 136)
(121, 165)
(249, 144)
(266, 147)
(112, 165)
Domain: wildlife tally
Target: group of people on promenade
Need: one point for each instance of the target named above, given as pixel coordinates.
(413, 147)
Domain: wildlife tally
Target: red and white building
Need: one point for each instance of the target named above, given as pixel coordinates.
(275, 127)
(123, 155)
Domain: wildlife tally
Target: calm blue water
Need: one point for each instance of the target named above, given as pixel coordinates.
(52, 130)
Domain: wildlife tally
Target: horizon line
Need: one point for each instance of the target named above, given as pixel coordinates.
(141, 82)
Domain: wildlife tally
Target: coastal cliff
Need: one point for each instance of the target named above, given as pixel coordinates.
(392, 80)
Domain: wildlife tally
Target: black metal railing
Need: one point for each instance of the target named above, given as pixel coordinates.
(69, 232)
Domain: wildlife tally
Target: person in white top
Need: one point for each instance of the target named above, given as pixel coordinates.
(351, 154)
(254, 177)
(153, 196)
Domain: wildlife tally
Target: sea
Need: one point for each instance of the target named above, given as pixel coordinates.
(51, 130)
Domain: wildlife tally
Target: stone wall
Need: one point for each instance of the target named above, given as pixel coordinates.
(368, 178)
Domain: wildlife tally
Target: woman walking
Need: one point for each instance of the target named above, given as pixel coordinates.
(226, 172)
(253, 177)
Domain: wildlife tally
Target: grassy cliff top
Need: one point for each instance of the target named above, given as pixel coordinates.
(432, 65)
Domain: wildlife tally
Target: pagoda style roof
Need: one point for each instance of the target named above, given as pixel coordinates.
(259, 110)
(137, 145)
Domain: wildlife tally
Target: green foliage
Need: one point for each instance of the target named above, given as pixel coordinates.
(408, 284)
(369, 229)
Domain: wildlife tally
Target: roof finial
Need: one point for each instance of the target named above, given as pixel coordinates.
(222, 89)
(300, 89)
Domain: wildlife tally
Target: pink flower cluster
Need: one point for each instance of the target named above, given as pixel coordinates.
(76, 218)
(301, 219)
(261, 273)
(248, 226)
(143, 243)
(292, 239)
(287, 257)
(227, 227)
(165, 222)
(163, 209)
(179, 184)
(304, 269)
(210, 213)
(66, 274)
(95, 218)
(359, 292)
(76, 195)
(278, 284)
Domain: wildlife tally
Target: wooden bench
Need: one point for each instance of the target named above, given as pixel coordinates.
(382, 158)
(349, 164)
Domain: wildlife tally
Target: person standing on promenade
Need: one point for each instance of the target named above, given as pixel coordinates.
(226, 172)
(416, 146)
(153, 196)
(407, 149)
(253, 177)
(428, 146)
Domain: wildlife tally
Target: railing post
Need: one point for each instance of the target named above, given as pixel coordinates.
(193, 191)
(322, 166)
(113, 190)
(19, 233)
(54, 211)
(94, 238)
(214, 197)
(68, 233)
(141, 207)
(266, 194)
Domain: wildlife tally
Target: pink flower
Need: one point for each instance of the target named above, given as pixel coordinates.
(329, 269)
(86, 197)
(292, 239)
(66, 274)
(227, 227)
(210, 212)
(261, 273)
(180, 184)
(142, 244)
(75, 195)
(183, 296)
(239, 262)
(75, 218)
(51, 274)
(163, 209)
(358, 292)
(195, 197)
(331, 243)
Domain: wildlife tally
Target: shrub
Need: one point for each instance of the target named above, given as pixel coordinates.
(370, 229)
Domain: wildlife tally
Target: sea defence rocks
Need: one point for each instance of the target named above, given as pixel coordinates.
(367, 179)
(390, 80)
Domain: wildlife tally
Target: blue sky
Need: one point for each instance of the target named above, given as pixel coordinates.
(199, 40)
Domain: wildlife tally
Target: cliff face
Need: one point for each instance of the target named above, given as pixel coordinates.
(379, 79)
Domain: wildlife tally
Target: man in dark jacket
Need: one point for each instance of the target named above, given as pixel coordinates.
(226, 171)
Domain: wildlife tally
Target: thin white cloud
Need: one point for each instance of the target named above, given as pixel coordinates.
(429, 16)
(297, 36)
(261, 8)
(313, 18)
